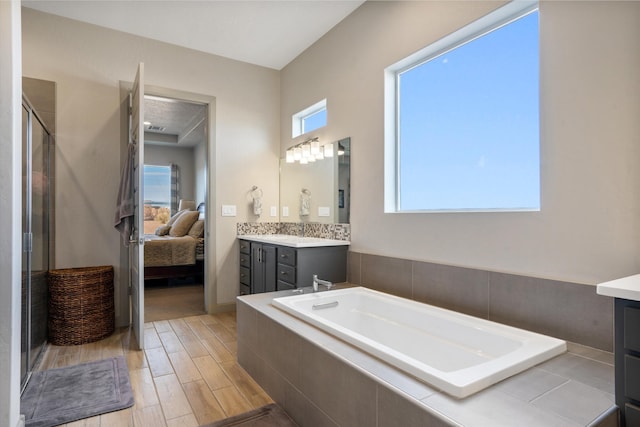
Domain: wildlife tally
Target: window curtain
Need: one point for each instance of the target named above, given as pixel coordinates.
(175, 188)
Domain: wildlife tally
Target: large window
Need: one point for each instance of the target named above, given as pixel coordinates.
(309, 119)
(157, 196)
(465, 120)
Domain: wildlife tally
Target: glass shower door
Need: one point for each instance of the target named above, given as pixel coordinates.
(35, 243)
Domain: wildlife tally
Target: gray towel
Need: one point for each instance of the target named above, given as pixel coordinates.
(125, 203)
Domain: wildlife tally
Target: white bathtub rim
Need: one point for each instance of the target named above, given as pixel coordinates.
(460, 383)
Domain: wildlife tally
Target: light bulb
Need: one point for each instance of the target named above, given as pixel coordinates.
(328, 150)
(304, 161)
(297, 153)
(315, 147)
(290, 158)
(306, 150)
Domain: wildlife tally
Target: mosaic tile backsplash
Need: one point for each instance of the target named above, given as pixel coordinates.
(324, 231)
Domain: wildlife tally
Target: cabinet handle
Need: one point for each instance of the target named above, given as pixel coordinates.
(283, 256)
(283, 273)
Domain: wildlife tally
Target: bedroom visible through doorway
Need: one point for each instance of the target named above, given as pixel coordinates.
(175, 144)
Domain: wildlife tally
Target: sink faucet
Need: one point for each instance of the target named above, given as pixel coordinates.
(317, 282)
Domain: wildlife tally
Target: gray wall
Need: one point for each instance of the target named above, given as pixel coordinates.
(589, 225)
(87, 63)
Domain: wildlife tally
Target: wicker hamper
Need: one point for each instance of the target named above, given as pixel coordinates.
(81, 305)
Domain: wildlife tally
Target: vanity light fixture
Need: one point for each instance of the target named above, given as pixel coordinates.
(328, 150)
(290, 156)
(315, 146)
(309, 151)
(306, 151)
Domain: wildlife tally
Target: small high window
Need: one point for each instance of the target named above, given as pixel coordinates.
(309, 119)
(462, 119)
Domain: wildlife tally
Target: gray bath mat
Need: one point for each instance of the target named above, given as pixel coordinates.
(58, 396)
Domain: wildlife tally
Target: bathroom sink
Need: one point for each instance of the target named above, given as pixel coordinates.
(293, 241)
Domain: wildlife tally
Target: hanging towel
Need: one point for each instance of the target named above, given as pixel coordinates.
(305, 202)
(124, 204)
(256, 195)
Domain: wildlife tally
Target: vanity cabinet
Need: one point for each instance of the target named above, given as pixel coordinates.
(627, 360)
(266, 267)
(245, 267)
(263, 268)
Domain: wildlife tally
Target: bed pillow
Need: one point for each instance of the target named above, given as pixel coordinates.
(175, 217)
(197, 229)
(163, 230)
(183, 223)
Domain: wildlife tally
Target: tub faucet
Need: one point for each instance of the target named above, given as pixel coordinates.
(317, 282)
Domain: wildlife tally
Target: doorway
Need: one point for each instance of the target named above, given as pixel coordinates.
(175, 171)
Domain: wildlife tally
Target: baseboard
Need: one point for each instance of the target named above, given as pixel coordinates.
(223, 308)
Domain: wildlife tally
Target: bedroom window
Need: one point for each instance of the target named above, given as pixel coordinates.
(309, 119)
(462, 119)
(157, 196)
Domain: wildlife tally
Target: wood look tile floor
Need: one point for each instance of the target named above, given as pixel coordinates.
(187, 375)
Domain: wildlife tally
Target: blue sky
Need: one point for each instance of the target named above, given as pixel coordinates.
(157, 184)
(469, 125)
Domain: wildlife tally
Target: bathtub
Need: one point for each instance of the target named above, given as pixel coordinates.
(450, 351)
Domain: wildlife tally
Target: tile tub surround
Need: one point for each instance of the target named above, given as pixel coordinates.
(323, 231)
(322, 381)
(565, 310)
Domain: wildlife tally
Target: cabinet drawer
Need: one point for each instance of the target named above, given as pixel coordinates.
(632, 328)
(245, 260)
(286, 255)
(286, 273)
(284, 286)
(632, 377)
(244, 289)
(245, 247)
(245, 276)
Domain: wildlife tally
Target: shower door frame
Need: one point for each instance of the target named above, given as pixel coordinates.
(27, 236)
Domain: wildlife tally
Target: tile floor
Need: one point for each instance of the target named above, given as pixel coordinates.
(187, 375)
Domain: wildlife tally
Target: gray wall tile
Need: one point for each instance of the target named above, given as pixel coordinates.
(246, 323)
(353, 268)
(279, 347)
(396, 411)
(576, 402)
(456, 288)
(595, 374)
(391, 275)
(344, 394)
(304, 412)
(565, 310)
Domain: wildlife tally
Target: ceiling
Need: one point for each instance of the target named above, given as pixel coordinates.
(173, 123)
(270, 33)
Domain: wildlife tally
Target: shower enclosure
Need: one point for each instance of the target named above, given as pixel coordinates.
(37, 167)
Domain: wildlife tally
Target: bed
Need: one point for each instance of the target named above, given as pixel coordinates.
(176, 249)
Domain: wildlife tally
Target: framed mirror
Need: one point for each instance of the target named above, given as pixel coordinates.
(318, 191)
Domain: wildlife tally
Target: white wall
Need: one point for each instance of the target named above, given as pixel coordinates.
(589, 226)
(183, 157)
(11, 212)
(87, 63)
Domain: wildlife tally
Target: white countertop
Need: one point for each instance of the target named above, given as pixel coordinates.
(293, 241)
(626, 288)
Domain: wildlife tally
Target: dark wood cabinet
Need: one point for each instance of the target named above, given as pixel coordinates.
(627, 360)
(266, 267)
